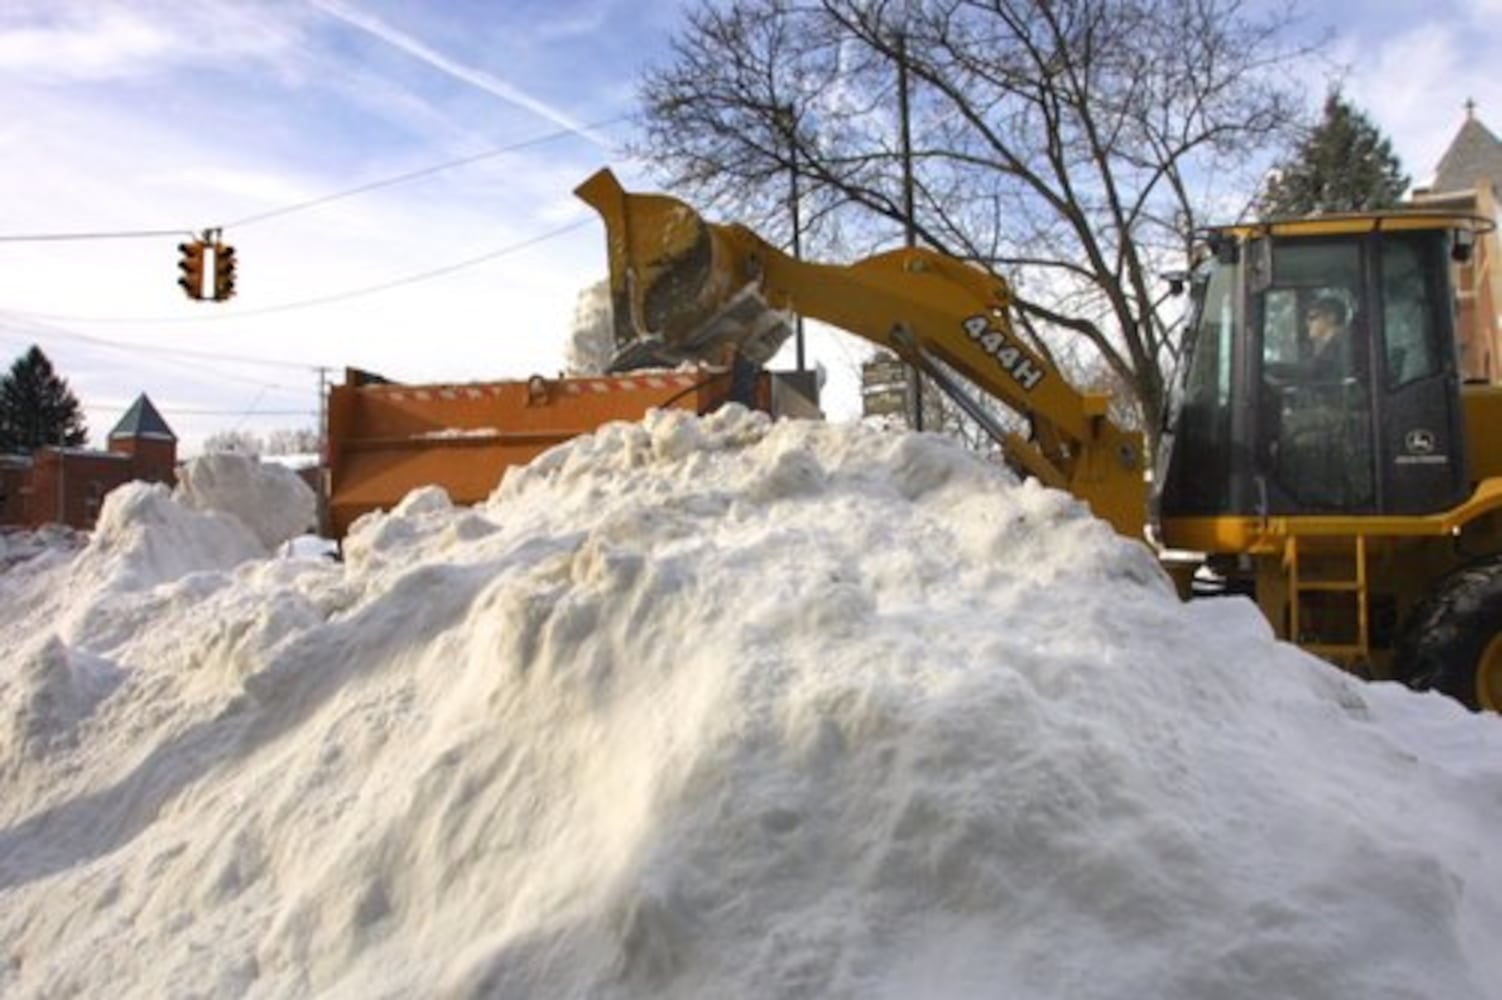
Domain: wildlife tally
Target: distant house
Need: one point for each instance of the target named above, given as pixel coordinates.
(1469, 179)
(67, 485)
(15, 472)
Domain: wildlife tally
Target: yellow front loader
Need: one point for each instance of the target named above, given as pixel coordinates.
(1361, 508)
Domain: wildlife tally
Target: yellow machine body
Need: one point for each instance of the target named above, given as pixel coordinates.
(1343, 575)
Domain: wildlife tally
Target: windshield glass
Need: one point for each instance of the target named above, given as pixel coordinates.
(1198, 479)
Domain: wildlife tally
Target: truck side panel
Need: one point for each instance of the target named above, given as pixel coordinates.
(385, 440)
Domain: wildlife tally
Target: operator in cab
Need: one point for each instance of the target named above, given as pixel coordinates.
(1329, 339)
(1326, 447)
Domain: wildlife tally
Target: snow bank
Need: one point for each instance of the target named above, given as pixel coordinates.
(19, 546)
(144, 537)
(716, 707)
(268, 498)
(591, 343)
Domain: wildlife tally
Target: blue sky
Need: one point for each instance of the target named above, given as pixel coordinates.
(162, 114)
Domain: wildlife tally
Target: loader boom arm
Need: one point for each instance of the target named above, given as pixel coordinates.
(684, 288)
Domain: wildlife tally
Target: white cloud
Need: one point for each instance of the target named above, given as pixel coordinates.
(86, 41)
(114, 44)
(475, 77)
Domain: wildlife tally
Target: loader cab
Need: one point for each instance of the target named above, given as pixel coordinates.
(1320, 375)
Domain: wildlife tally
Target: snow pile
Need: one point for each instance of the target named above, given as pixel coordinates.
(19, 546)
(721, 708)
(268, 498)
(591, 344)
(55, 688)
(144, 538)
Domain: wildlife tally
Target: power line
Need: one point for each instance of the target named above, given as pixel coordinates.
(423, 172)
(125, 234)
(140, 350)
(156, 349)
(191, 412)
(250, 411)
(410, 279)
(167, 409)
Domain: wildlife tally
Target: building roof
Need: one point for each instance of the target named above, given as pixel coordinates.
(142, 421)
(1474, 153)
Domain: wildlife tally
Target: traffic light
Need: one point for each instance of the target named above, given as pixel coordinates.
(224, 272)
(191, 267)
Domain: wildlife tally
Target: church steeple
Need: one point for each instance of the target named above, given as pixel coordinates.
(1475, 154)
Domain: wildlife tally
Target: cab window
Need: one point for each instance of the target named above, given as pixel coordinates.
(1407, 316)
(1315, 399)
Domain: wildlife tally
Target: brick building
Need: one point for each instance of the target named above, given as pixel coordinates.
(1468, 179)
(68, 485)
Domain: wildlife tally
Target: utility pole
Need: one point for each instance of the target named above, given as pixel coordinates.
(323, 411)
(915, 378)
(790, 126)
(324, 471)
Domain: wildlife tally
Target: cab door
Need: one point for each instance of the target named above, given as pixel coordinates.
(1314, 442)
(1379, 433)
(1422, 452)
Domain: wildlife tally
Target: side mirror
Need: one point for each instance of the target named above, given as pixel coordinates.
(1260, 268)
(1226, 249)
(1462, 245)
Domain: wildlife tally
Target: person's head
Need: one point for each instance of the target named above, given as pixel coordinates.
(1326, 317)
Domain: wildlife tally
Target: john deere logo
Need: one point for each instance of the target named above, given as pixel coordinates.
(1419, 443)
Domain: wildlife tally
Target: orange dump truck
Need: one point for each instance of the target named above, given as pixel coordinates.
(385, 439)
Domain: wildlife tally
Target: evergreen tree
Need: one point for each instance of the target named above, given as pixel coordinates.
(1344, 164)
(37, 408)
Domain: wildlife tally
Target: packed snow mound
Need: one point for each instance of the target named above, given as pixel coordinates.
(42, 704)
(144, 537)
(591, 343)
(19, 546)
(717, 707)
(268, 498)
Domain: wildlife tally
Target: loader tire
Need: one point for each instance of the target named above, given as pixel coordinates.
(1453, 640)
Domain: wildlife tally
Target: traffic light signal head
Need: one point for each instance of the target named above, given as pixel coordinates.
(224, 272)
(191, 266)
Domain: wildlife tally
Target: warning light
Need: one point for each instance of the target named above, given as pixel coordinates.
(191, 266)
(224, 272)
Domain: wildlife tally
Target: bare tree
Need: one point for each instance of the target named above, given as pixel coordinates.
(292, 441)
(1070, 146)
(239, 442)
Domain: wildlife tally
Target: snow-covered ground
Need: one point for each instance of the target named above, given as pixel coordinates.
(713, 708)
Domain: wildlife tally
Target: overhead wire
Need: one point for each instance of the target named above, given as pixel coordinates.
(189, 411)
(44, 320)
(139, 350)
(250, 411)
(322, 199)
(264, 386)
(39, 331)
(220, 317)
(410, 279)
(120, 234)
(46, 328)
(423, 172)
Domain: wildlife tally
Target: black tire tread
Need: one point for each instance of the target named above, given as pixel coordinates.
(1444, 636)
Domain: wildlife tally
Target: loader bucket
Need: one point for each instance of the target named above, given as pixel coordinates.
(680, 290)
